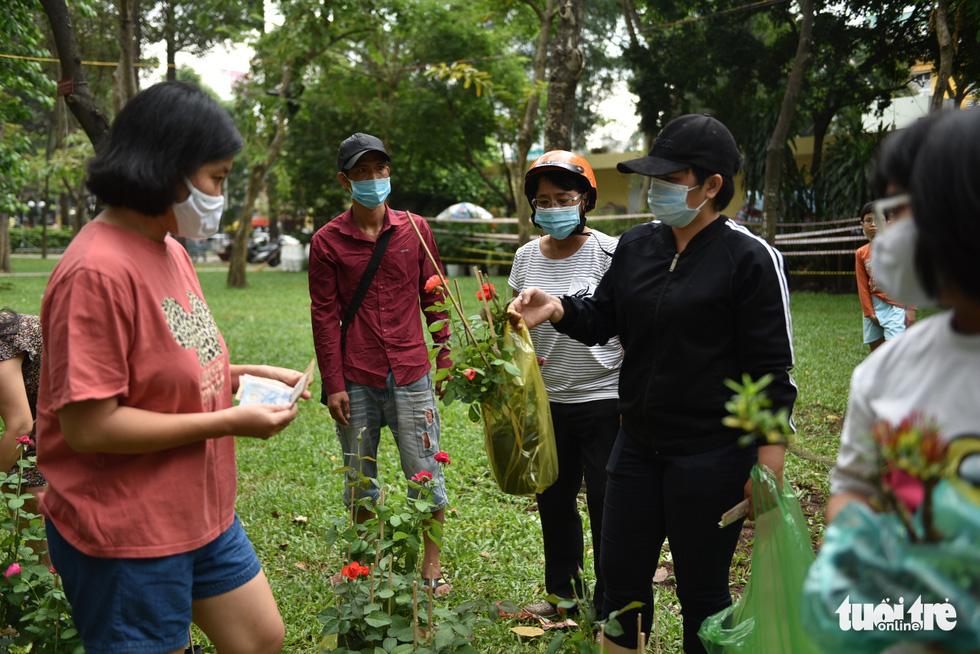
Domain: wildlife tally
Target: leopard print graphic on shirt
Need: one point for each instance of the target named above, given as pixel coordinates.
(195, 330)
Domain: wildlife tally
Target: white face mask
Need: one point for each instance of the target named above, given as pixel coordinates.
(893, 264)
(200, 214)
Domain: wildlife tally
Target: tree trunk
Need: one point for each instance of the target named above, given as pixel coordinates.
(567, 63)
(170, 30)
(821, 125)
(525, 135)
(80, 101)
(124, 78)
(946, 54)
(4, 243)
(256, 181)
(777, 143)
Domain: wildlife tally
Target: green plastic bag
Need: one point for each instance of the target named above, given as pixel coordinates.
(517, 428)
(766, 618)
(867, 561)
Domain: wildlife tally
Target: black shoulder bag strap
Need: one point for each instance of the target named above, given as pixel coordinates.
(362, 288)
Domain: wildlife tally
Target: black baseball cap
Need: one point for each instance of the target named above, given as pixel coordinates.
(691, 140)
(356, 145)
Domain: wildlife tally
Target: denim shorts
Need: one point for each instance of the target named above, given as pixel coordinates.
(410, 412)
(892, 321)
(143, 606)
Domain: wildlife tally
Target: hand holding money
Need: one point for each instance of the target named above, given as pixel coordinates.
(253, 389)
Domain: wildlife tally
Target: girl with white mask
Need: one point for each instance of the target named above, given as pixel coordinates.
(135, 422)
(928, 256)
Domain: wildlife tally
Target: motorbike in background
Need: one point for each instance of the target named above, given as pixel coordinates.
(266, 251)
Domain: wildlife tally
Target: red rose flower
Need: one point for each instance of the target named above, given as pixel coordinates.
(488, 292)
(422, 477)
(469, 373)
(24, 440)
(442, 458)
(541, 361)
(433, 284)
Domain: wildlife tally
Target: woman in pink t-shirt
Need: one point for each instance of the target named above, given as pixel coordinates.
(135, 418)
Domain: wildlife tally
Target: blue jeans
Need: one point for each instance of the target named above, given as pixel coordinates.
(143, 606)
(410, 412)
(652, 497)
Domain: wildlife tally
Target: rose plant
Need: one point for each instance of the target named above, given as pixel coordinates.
(33, 608)
(911, 450)
(494, 369)
(381, 603)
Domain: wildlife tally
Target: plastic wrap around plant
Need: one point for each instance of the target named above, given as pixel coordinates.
(766, 619)
(517, 427)
(872, 587)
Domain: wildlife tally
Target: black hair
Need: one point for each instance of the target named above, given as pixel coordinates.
(725, 193)
(563, 179)
(946, 203)
(9, 322)
(893, 165)
(162, 135)
(866, 208)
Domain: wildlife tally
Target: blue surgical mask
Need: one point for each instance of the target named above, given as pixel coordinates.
(371, 192)
(559, 222)
(668, 202)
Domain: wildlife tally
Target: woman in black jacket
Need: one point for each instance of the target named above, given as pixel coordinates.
(695, 299)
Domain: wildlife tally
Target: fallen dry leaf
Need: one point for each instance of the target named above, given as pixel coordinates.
(486, 555)
(660, 575)
(528, 632)
(300, 519)
(302, 565)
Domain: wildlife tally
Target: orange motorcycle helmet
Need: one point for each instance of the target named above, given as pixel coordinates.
(564, 161)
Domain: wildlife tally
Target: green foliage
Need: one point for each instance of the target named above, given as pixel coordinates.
(843, 182)
(30, 237)
(31, 602)
(482, 362)
(749, 411)
(380, 600)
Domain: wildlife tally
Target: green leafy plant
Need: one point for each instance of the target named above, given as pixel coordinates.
(33, 607)
(380, 603)
(482, 362)
(749, 411)
(590, 633)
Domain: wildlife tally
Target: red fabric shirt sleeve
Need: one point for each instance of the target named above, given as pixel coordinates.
(325, 311)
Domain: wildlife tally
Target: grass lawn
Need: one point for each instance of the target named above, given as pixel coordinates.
(492, 545)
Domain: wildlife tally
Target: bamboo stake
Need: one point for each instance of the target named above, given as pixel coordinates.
(602, 639)
(415, 613)
(445, 285)
(372, 579)
(390, 599)
(640, 646)
(430, 592)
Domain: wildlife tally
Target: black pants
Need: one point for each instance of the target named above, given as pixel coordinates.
(584, 434)
(650, 498)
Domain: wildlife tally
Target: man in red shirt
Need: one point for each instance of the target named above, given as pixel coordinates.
(375, 369)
